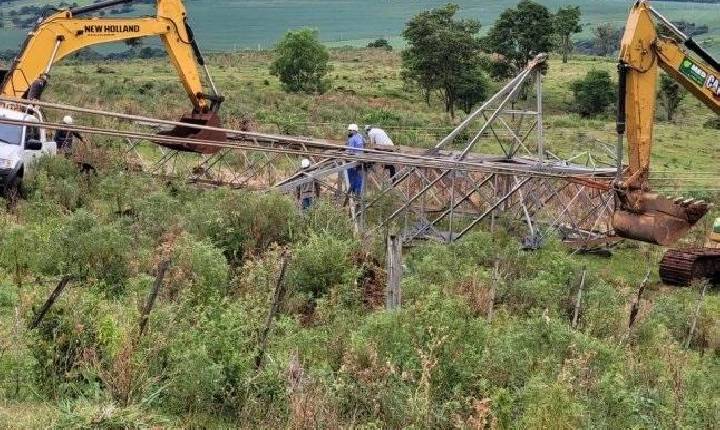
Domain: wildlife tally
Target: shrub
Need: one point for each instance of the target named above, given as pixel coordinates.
(84, 248)
(594, 93)
(210, 362)
(319, 264)
(199, 270)
(324, 218)
(712, 123)
(122, 190)
(550, 405)
(421, 359)
(18, 252)
(66, 347)
(158, 212)
(57, 179)
(380, 43)
(243, 223)
(382, 117)
(301, 62)
(84, 415)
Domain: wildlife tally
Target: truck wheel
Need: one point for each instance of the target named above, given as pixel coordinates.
(13, 190)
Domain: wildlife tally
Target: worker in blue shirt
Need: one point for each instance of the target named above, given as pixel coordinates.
(356, 142)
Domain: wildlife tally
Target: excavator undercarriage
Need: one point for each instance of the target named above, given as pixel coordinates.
(681, 266)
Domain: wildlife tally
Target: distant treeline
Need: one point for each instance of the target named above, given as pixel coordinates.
(27, 16)
(89, 55)
(607, 37)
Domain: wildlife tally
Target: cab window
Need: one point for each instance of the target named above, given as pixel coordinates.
(32, 133)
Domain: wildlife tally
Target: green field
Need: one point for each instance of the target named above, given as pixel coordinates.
(223, 25)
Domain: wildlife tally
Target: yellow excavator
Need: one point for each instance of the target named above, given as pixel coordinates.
(641, 214)
(67, 31)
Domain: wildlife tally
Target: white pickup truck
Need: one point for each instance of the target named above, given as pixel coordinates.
(21, 145)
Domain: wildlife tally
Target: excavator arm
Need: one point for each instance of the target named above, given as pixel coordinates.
(68, 31)
(64, 33)
(641, 214)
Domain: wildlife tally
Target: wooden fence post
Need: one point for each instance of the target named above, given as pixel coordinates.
(493, 287)
(695, 314)
(635, 307)
(578, 300)
(393, 294)
(50, 301)
(145, 315)
(278, 298)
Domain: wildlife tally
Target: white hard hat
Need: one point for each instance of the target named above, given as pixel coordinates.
(305, 163)
(67, 119)
(353, 127)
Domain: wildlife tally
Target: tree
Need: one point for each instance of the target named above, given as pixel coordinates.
(301, 62)
(134, 42)
(594, 93)
(670, 94)
(606, 39)
(380, 43)
(567, 23)
(441, 50)
(519, 34)
(472, 88)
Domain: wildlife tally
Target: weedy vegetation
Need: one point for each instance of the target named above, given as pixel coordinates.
(187, 308)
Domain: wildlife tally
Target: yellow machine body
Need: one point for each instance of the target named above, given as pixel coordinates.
(641, 214)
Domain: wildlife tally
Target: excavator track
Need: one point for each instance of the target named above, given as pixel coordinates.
(681, 266)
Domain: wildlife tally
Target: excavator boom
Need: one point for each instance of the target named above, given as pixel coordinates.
(641, 214)
(68, 31)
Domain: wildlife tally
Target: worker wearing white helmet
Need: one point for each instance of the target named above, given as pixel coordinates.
(356, 143)
(64, 138)
(308, 190)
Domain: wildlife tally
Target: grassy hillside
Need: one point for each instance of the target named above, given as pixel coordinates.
(234, 25)
(461, 353)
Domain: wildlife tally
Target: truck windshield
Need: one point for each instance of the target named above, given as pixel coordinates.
(11, 134)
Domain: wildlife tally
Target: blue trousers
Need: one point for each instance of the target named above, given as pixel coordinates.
(306, 203)
(356, 180)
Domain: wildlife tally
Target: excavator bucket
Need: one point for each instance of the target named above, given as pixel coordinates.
(213, 137)
(649, 217)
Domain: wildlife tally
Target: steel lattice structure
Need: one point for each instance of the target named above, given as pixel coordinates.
(441, 194)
